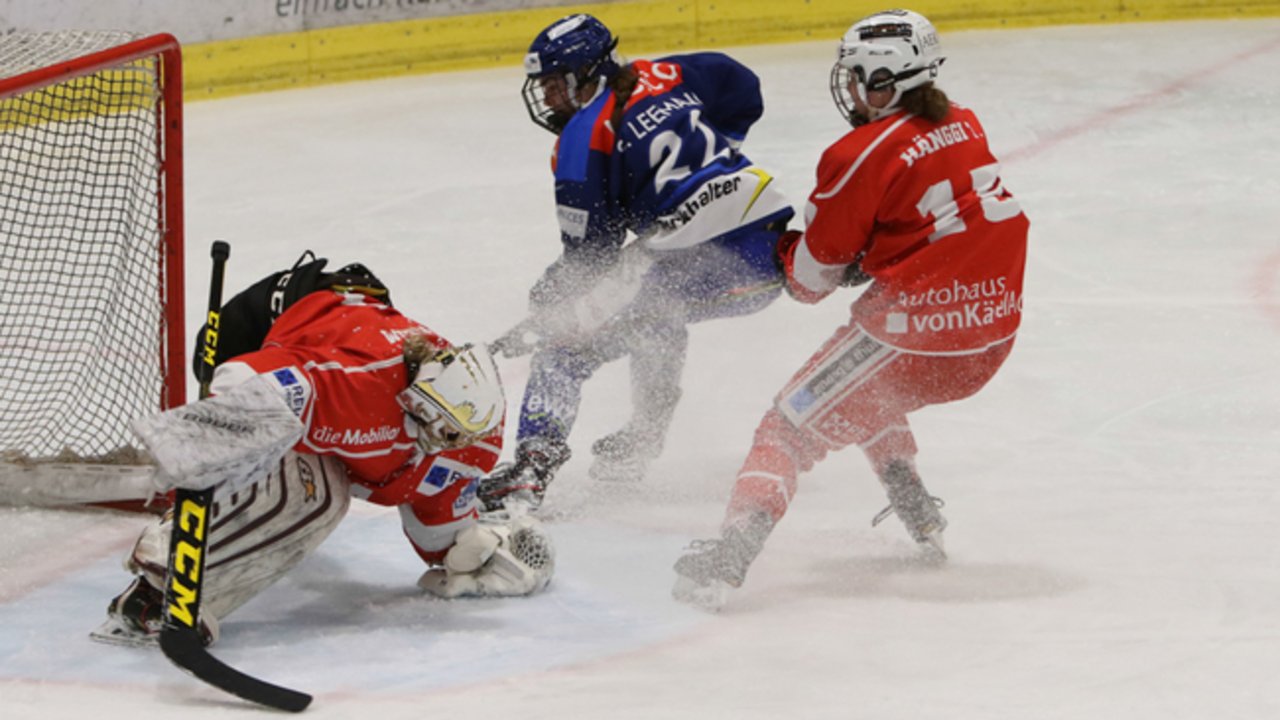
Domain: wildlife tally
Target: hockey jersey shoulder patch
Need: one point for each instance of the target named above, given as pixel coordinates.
(293, 386)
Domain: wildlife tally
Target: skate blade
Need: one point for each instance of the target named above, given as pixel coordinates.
(710, 597)
(933, 549)
(115, 632)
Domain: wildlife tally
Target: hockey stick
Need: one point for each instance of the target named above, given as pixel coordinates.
(516, 342)
(180, 636)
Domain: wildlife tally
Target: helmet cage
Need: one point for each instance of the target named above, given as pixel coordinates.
(896, 50)
(551, 116)
(569, 55)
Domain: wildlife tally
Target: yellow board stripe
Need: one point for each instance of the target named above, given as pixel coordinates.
(364, 52)
(109, 92)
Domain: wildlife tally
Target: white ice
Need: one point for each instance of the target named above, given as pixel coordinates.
(1113, 494)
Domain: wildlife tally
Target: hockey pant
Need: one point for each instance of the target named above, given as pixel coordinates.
(854, 391)
(728, 277)
(257, 533)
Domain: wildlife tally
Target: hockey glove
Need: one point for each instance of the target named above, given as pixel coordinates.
(571, 275)
(853, 275)
(785, 255)
(784, 252)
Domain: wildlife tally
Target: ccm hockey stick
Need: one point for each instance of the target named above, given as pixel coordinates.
(193, 511)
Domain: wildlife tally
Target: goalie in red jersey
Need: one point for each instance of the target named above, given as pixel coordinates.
(324, 391)
(910, 201)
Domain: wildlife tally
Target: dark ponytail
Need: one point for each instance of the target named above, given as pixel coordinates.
(927, 101)
(622, 85)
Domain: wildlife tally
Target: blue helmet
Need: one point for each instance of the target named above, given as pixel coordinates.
(568, 55)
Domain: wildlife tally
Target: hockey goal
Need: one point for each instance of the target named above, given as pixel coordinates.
(91, 291)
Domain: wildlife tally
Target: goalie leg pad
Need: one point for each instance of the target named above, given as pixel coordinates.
(259, 532)
(508, 560)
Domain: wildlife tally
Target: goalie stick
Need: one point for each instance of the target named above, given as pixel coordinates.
(180, 637)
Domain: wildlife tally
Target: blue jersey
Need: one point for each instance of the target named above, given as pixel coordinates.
(666, 167)
(679, 132)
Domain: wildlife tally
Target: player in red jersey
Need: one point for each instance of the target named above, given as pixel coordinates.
(386, 411)
(910, 201)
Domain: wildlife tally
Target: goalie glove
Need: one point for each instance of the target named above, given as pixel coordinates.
(494, 560)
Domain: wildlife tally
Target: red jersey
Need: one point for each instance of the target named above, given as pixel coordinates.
(339, 359)
(920, 205)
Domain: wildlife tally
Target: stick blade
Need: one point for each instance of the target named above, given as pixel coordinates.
(183, 647)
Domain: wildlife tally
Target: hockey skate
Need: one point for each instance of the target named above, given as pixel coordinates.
(622, 457)
(915, 507)
(711, 569)
(135, 617)
(518, 487)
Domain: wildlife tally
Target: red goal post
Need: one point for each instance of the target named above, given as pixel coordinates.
(91, 260)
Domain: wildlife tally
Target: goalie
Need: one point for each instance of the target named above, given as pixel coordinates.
(342, 397)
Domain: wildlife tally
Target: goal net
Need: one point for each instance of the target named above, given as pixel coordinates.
(91, 294)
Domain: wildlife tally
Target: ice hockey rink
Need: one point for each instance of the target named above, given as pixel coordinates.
(1114, 494)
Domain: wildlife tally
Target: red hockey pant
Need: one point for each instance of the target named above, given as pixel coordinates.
(854, 390)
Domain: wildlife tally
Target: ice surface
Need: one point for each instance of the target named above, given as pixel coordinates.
(1113, 494)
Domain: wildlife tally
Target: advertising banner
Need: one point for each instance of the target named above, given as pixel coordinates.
(196, 21)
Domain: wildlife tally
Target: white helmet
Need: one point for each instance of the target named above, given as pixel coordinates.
(455, 398)
(896, 49)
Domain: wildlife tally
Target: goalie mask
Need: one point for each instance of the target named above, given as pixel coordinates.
(455, 398)
(572, 53)
(892, 50)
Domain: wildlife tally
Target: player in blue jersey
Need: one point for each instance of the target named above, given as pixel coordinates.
(647, 150)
